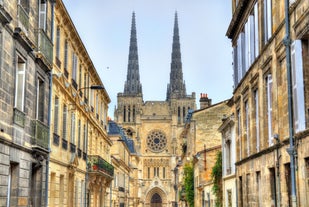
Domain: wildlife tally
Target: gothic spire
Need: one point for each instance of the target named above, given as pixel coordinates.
(177, 87)
(132, 85)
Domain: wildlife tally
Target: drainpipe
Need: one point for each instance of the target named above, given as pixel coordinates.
(278, 156)
(291, 149)
(49, 109)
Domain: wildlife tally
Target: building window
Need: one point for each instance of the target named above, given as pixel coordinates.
(258, 190)
(73, 128)
(298, 86)
(269, 84)
(74, 67)
(40, 100)
(228, 155)
(79, 134)
(256, 30)
(179, 118)
(80, 76)
(85, 138)
(257, 121)
(61, 190)
(241, 194)
(239, 131)
(134, 113)
(64, 122)
(267, 20)
(273, 189)
(66, 51)
(12, 192)
(20, 84)
(58, 43)
(148, 172)
(163, 172)
(56, 117)
(36, 187)
(129, 114)
(247, 122)
(43, 14)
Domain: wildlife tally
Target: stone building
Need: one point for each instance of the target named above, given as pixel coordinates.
(201, 143)
(80, 170)
(121, 152)
(25, 77)
(271, 65)
(227, 130)
(154, 126)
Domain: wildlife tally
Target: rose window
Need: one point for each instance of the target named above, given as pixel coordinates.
(156, 141)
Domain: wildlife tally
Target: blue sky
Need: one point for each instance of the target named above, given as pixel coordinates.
(104, 27)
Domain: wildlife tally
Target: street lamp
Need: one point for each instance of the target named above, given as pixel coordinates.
(175, 184)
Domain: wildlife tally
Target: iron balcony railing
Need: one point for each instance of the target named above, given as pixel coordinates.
(98, 164)
(23, 17)
(40, 134)
(19, 117)
(45, 46)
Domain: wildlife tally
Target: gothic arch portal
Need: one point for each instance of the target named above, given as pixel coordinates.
(156, 197)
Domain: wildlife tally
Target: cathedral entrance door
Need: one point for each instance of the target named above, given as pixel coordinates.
(156, 200)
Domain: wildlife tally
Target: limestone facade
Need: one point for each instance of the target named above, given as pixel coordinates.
(25, 67)
(258, 31)
(80, 170)
(201, 143)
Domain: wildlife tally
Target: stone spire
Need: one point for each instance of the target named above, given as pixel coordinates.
(132, 85)
(177, 87)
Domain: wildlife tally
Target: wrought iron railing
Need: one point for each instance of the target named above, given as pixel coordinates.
(40, 133)
(23, 17)
(98, 164)
(45, 45)
(72, 147)
(84, 155)
(56, 138)
(19, 117)
(64, 144)
(79, 152)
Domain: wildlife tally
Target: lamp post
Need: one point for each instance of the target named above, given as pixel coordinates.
(175, 185)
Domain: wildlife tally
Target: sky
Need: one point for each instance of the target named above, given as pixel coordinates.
(104, 27)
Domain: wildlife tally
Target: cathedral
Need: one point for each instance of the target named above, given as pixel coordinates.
(155, 126)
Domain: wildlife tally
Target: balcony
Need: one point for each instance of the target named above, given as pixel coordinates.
(45, 47)
(72, 148)
(121, 189)
(40, 134)
(98, 164)
(19, 118)
(79, 153)
(64, 144)
(23, 17)
(56, 138)
(84, 156)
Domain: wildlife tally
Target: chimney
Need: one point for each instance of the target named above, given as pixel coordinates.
(204, 101)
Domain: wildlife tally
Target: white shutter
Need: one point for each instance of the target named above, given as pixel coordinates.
(298, 86)
(256, 29)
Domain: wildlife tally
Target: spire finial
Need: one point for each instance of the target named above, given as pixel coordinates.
(132, 85)
(177, 87)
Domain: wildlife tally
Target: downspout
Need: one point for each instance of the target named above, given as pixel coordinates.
(291, 149)
(49, 108)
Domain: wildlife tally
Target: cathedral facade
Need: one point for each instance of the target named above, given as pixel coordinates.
(155, 126)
